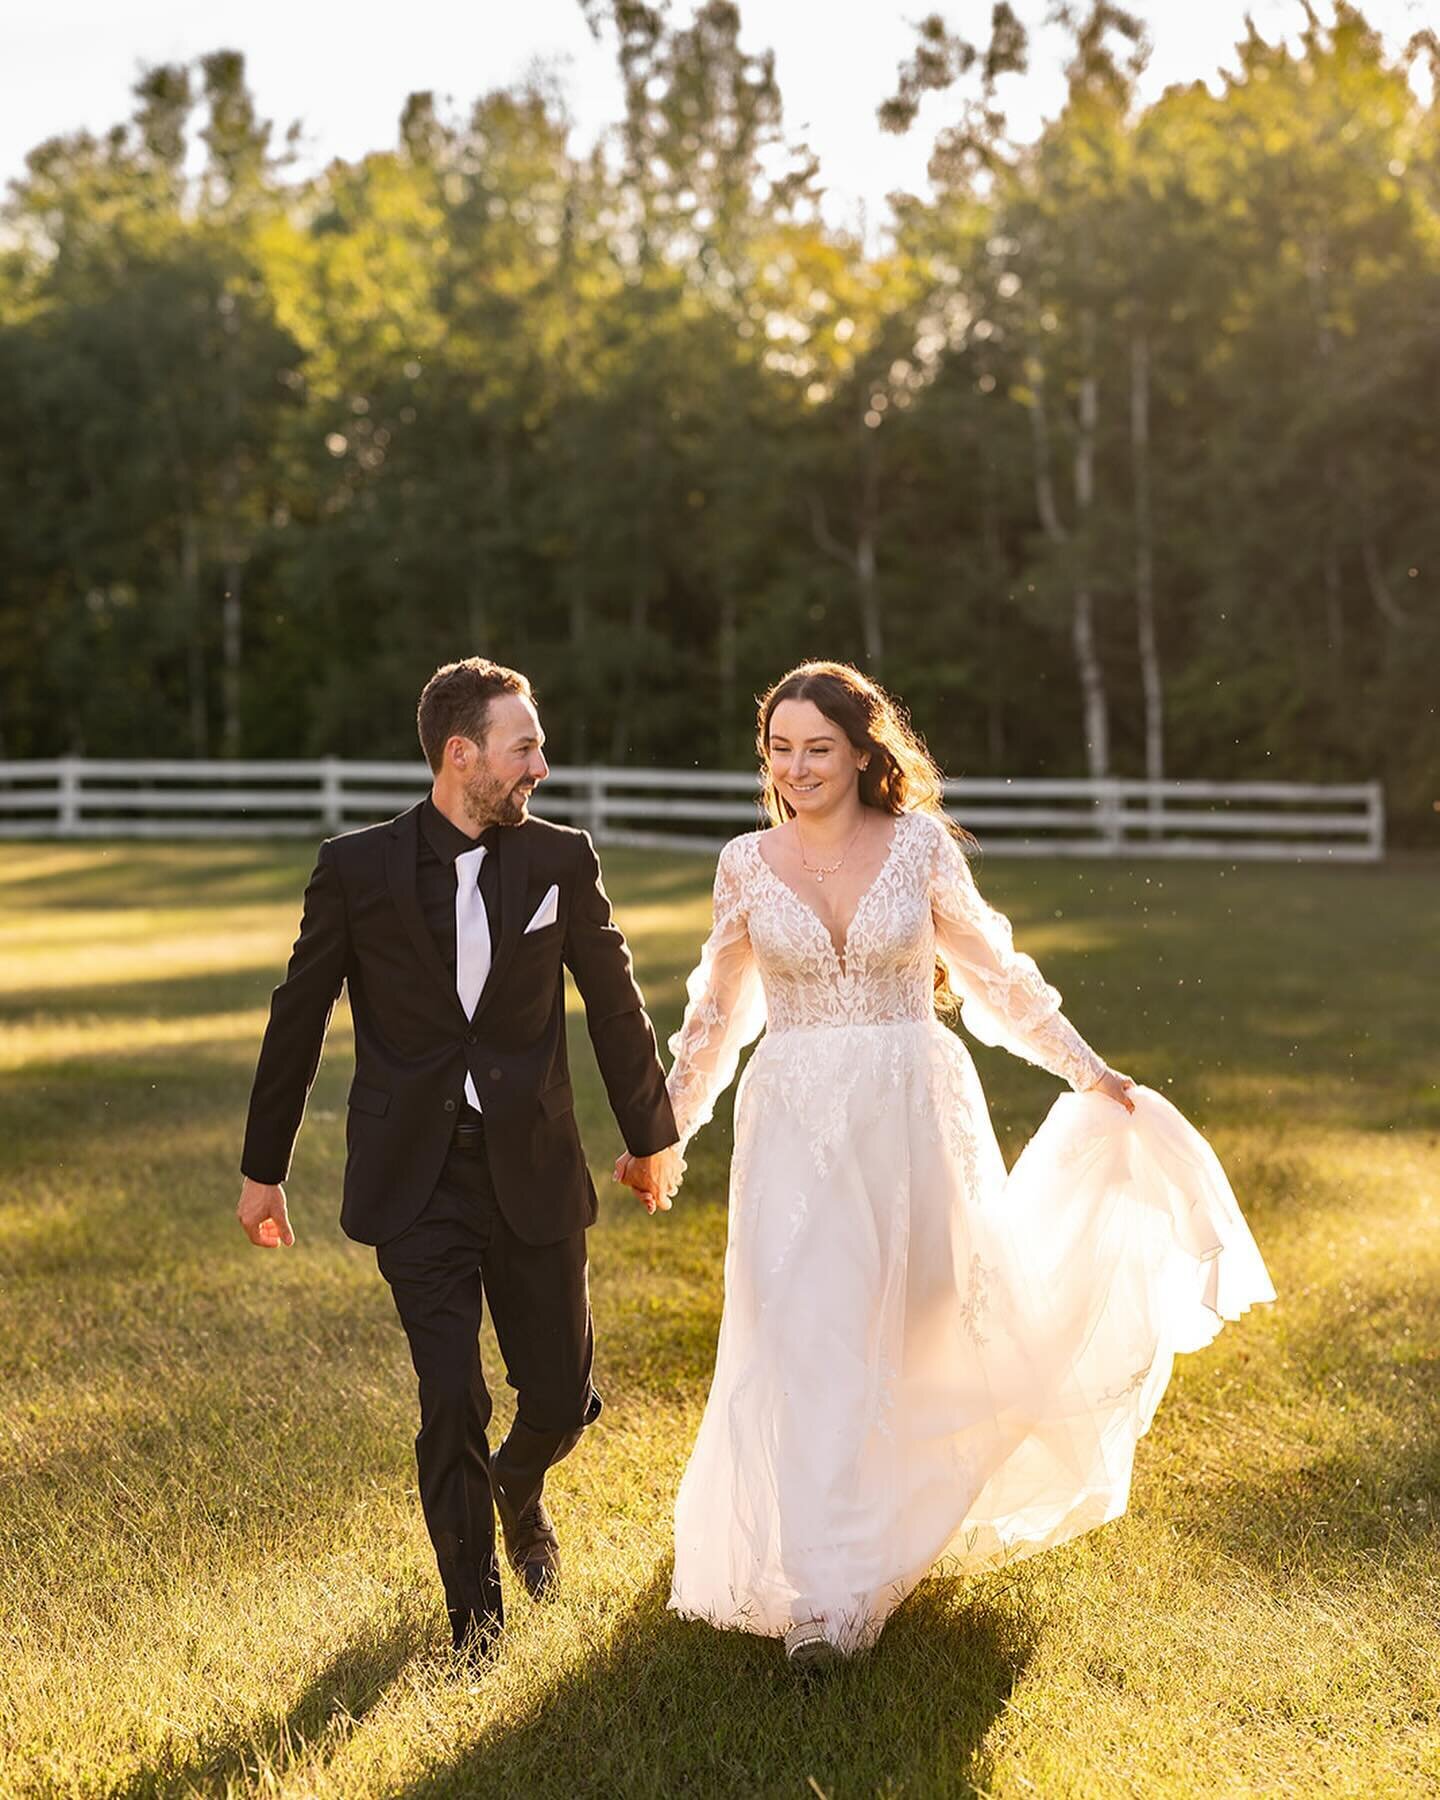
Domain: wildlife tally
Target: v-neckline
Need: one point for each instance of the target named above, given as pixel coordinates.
(841, 951)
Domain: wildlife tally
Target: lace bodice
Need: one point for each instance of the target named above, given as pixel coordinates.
(770, 961)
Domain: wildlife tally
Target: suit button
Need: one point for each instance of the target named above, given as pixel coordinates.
(449, 1106)
(494, 1074)
(472, 1037)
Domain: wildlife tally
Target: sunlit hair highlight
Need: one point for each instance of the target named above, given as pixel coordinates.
(456, 700)
(900, 776)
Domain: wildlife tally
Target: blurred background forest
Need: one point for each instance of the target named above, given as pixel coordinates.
(1117, 453)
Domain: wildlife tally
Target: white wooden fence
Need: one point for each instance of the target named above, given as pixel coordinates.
(1276, 821)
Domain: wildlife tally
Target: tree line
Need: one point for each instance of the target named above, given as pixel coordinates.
(1117, 454)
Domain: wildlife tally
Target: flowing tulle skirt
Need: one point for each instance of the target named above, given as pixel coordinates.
(921, 1359)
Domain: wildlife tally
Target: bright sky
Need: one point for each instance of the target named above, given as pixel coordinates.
(345, 70)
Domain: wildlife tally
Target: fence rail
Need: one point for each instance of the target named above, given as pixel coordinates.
(72, 797)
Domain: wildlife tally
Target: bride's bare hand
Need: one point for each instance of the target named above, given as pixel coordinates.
(1115, 1086)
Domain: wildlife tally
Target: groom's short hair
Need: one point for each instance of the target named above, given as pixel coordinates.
(456, 702)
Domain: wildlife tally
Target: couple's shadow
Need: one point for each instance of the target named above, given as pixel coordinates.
(242, 1758)
(670, 1706)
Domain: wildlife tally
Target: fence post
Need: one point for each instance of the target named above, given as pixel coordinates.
(332, 799)
(1377, 821)
(595, 804)
(1110, 817)
(1155, 807)
(69, 796)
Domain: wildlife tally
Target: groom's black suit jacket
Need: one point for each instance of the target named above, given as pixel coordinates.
(363, 924)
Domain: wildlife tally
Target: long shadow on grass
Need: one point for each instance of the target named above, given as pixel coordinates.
(671, 1706)
(160, 1105)
(1323, 1519)
(1304, 984)
(1374, 1493)
(114, 876)
(215, 1449)
(350, 1685)
(198, 994)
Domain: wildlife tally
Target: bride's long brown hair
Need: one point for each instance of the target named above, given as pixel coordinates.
(900, 775)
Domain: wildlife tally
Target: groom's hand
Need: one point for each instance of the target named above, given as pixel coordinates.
(656, 1179)
(262, 1215)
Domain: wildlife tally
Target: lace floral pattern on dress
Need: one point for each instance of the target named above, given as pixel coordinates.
(975, 1303)
(1006, 1001)
(769, 960)
(726, 1003)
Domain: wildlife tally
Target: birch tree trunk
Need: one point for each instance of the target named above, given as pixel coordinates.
(866, 573)
(232, 577)
(1150, 682)
(727, 654)
(579, 633)
(1087, 656)
(231, 651)
(232, 551)
(1316, 260)
(1334, 590)
(639, 620)
(863, 561)
(994, 607)
(642, 578)
(195, 647)
(1082, 626)
(1040, 435)
(1381, 591)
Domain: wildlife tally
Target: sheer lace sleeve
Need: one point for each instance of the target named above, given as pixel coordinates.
(726, 1005)
(1005, 1001)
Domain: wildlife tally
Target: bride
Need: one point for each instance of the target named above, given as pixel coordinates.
(921, 1360)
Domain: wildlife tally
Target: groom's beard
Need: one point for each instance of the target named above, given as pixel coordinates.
(488, 802)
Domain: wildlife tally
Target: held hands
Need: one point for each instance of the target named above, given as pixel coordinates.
(656, 1179)
(1115, 1086)
(262, 1215)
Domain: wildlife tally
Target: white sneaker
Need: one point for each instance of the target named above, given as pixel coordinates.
(809, 1651)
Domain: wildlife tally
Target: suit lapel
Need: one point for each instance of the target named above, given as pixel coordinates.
(401, 852)
(513, 850)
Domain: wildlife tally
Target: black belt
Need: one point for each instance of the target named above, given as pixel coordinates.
(470, 1132)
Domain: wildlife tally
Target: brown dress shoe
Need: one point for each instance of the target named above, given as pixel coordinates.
(531, 1546)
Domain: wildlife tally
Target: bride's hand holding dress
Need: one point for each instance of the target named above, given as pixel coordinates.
(1116, 1087)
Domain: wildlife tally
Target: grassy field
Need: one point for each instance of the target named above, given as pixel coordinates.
(213, 1574)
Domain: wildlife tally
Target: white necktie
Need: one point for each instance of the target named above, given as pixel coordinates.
(472, 942)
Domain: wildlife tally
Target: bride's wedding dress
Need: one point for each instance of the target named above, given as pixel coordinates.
(920, 1358)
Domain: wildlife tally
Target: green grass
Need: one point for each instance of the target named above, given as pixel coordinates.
(213, 1574)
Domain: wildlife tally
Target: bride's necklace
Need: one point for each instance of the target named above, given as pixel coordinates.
(821, 870)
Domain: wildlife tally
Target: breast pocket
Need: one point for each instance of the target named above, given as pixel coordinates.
(542, 911)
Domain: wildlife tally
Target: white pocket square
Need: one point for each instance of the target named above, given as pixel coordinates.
(547, 912)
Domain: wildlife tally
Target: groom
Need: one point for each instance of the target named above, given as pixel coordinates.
(452, 926)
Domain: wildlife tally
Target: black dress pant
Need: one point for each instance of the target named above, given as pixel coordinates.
(459, 1249)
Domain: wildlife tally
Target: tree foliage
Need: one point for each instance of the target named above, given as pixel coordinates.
(1117, 453)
